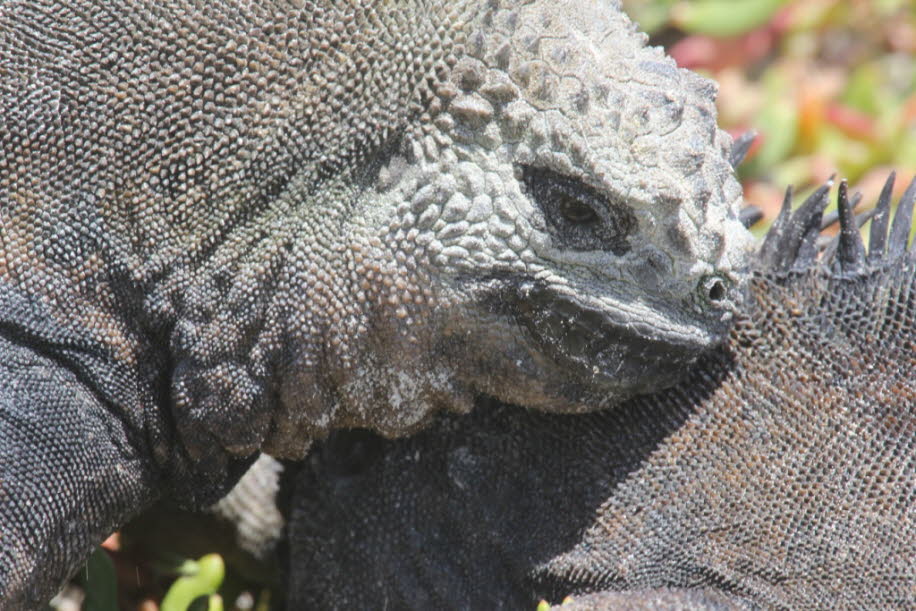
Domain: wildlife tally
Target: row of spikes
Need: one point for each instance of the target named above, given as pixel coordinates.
(795, 240)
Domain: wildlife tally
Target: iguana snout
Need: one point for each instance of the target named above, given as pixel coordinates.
(603, 348)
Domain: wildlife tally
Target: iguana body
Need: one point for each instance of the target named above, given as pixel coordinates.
(781, 473)
(230, 226)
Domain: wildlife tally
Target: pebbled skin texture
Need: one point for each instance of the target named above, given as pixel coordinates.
(238, 226)
(780, 474)
(99, 479)
(652, 600)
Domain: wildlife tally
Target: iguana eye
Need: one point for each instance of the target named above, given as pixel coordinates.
(578, 216)
(576, 211)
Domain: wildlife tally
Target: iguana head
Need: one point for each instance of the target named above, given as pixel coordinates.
(557, 230)
(406, 205)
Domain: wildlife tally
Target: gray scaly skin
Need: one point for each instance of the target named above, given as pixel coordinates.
(228, 227)
(780, 474)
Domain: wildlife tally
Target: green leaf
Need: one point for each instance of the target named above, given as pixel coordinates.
(778, 124)
(905, 155)
(650, 15)
(201, 580)
(724, 17)
(100, 583)
(863, 89)
(888, 7)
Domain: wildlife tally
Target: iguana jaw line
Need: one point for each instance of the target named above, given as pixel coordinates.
(606, 343)
(590, 345)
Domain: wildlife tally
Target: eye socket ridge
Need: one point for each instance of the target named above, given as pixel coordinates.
(578, 216)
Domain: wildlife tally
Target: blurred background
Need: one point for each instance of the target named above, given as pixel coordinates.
(828, 85)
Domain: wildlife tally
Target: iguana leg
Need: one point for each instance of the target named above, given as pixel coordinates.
(68, 474)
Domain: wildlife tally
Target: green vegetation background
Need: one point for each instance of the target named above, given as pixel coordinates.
(829, 85)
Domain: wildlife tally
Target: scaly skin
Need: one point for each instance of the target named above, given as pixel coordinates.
(237, 226)
(781, 473)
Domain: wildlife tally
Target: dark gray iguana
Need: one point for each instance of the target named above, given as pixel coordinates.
(231, 226)
(781, 473)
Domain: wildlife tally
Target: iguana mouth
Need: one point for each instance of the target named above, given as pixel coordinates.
(592, 345)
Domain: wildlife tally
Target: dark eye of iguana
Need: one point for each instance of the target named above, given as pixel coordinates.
(576, 211)
(578, 216)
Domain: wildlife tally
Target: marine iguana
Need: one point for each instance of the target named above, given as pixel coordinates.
(780, 474)
(229, 226)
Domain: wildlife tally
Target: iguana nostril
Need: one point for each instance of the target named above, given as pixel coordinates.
(717, 291)
(714, 289)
